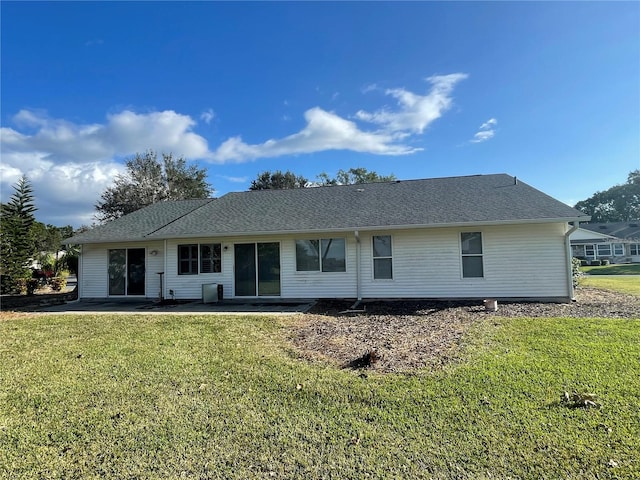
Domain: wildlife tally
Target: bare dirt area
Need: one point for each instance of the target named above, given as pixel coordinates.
(401, 336)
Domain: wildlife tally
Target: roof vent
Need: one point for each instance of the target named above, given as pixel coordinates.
(633, 225)
(360, 190)
(602, 227)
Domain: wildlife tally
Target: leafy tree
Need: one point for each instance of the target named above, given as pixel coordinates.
(278, 181)
(147, 181)
(620, 203)
(17, 245)
(354, 176)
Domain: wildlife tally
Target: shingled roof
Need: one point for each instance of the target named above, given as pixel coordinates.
(139, 224)
(624, 230)
(479, 199)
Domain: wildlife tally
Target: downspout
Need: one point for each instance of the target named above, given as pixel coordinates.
(358, 289)
(78, 276)
(164, 268)
(569, 256)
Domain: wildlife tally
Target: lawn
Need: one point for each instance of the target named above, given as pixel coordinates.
(226, 397)
(626, 284)
(617, 269)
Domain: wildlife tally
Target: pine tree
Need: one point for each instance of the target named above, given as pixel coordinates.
(17, 245)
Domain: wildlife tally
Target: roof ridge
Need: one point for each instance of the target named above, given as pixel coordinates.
(207, 202)
(356, 185)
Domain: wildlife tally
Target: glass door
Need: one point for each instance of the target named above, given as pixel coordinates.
(126, 271)
(257, 269)
(245, 269)
(269, 269)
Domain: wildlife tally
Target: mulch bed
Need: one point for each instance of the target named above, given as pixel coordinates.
(401, 336)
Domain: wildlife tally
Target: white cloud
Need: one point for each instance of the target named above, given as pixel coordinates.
(70, 165)
(207, 116)
(324, 131)
(234, 179)
(415, 111)
(485, 132)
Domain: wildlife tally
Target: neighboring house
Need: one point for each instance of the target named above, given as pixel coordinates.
(617, 242)
(483, 236)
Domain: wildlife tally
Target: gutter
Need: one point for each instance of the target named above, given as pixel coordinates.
(366, 228)
(569, 256)
(358, 289)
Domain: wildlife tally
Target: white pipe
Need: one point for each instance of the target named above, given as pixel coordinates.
(358, 292)
(569, 257)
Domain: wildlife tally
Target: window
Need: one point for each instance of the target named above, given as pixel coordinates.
(382, 258)
(209, 259)
(604, 249)
(618, 249)
(333, 255)
(589, 251)
(635, 249)
(471, 247)
(187, 259)
(326, 255)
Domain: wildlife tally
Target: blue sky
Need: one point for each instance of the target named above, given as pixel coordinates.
(546, 91)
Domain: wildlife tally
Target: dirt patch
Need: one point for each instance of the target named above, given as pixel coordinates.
(406, 335)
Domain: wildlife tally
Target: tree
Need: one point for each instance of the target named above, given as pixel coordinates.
(278, 181)
(354, 176)
(620, 203)
(17, 245)
(147, 181)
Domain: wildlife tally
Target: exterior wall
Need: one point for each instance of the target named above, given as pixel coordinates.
(583, 234)
(519, 261)
(293, 284)
(94, 275)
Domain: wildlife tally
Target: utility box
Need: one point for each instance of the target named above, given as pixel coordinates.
(210, 293)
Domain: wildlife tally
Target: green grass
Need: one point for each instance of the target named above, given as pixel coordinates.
(218, 397)
(630, 285)
(618, 269)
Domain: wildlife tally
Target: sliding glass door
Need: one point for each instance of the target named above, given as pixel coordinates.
(126, 271)
(257, 269)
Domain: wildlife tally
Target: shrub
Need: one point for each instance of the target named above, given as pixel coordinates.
(27, 286)
(584, 263)
(576, 273)
(58, 283)
(604, 262)
(595, 263)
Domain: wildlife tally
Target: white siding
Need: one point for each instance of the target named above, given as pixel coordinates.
(94, 275)
(293, 284)
(584, 234)
(519, 261)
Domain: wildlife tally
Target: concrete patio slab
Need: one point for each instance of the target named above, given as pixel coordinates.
(195, 307)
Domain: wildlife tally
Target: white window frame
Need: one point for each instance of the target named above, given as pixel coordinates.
(463, 255)
(636, 247)
(320, 268)
(618, 250)
(607, 245)
(374, 258)
(198, 258)
(592, 248)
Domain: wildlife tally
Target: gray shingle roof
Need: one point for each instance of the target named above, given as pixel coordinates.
(626, 230)
(139, 224)
(402, 204)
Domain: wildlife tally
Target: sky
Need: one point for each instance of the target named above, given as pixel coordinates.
(545, 91)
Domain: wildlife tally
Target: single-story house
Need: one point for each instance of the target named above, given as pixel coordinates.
(617, 242)
(473, 237)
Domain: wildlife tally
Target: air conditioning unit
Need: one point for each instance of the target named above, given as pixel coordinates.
(210, 293)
